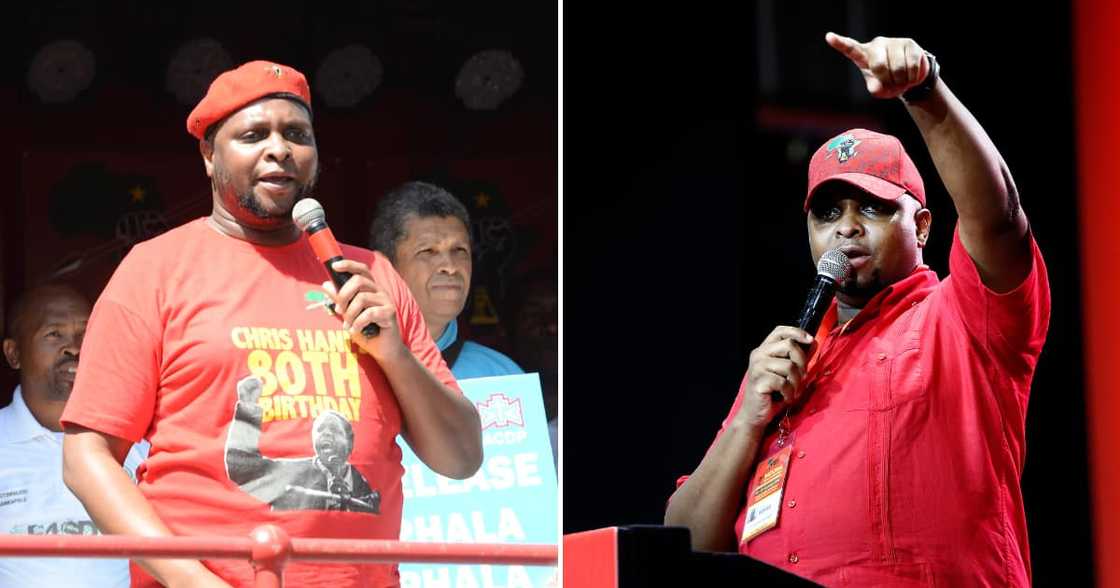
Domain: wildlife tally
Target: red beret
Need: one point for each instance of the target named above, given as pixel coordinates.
(237, 87)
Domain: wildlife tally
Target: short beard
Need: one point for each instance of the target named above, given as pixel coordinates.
(58, 391)
(252, 204)
(851, 288)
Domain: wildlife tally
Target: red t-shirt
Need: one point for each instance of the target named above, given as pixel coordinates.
(908, 451)
(185, 318)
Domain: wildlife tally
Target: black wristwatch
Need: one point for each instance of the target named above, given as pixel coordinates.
(922, 90)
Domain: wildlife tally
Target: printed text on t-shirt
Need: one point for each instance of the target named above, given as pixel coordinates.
(313, 369)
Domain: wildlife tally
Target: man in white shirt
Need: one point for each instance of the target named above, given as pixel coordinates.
(42, 340)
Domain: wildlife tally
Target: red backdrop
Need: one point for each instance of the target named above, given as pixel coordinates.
(1097, 91)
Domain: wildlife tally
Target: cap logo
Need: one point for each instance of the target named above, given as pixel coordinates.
(844, 146)
(275, 71)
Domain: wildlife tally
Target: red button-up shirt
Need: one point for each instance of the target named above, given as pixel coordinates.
(909, 447)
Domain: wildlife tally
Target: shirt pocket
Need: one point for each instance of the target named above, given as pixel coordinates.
(884, 371)
(884, 374)
(905, 377)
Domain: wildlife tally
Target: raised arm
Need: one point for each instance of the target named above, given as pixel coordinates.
(992, 225)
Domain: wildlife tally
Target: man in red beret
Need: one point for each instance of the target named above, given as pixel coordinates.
(220, 305)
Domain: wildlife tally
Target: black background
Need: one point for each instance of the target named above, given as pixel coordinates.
(684, 241)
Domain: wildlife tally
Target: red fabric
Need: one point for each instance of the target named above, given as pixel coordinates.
(873, 162)
(189, 314)
(238, 87)
(908, 451)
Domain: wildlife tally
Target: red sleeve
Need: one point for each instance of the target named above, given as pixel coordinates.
(1013, 324)
(115, 388)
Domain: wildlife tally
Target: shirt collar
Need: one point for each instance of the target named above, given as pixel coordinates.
(17, 424)
(892, 300)
(450, 334)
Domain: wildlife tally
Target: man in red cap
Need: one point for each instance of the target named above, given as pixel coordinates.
(204, 342)
(891, 454)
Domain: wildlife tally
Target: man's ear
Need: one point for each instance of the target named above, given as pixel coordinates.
(923, 219)
(11, 353)
(206, 148)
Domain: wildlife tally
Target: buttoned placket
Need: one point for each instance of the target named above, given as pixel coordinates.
(824, 360)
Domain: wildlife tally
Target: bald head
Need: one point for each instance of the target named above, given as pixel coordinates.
(24, 305)
(42, 340)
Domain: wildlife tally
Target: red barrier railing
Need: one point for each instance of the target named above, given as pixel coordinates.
(269, 548)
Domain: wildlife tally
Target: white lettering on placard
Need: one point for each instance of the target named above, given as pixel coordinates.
(471, 528)
(503, 437)
(518, 578)
(467, 580)
(457, 531)
(418, 487)
(500, 472)
(424, 529)
(437, 580)
(482, 576)
(525, 466)
(509, 526)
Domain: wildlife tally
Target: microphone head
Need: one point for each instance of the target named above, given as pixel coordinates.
(307, 211)
(834, 265)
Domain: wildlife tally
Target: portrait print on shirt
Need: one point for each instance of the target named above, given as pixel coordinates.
(326, 481)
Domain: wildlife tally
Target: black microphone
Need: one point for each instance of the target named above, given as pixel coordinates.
(308, 215)
(832, 269)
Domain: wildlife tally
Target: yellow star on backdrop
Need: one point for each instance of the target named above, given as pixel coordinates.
(482, 200)
(137, 194)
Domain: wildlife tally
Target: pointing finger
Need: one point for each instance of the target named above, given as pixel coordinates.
(848, 47)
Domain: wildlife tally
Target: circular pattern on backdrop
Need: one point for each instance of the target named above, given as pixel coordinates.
(61, 70)
(488, 79)
(193, 67)
(347, 76)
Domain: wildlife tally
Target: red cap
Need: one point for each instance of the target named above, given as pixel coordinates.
(873, 162)
(237, 87)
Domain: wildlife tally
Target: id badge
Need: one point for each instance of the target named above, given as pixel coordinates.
(764, 501)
